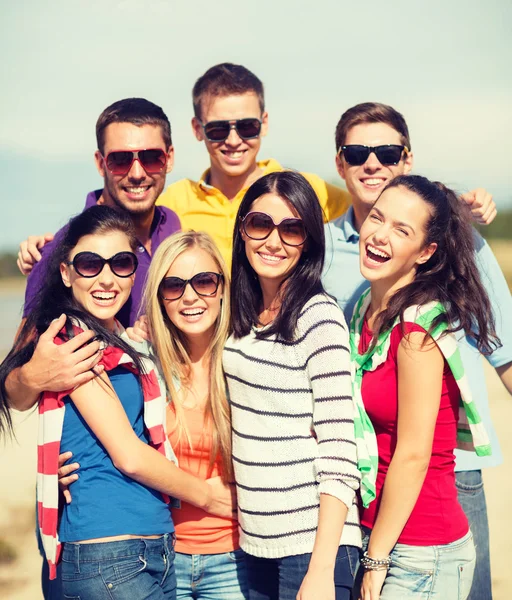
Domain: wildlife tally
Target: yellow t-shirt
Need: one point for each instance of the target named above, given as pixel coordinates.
(202, 207)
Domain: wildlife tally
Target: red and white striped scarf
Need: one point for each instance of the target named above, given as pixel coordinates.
(51, 418)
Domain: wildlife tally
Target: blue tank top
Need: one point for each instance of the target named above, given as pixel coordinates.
(106, 502)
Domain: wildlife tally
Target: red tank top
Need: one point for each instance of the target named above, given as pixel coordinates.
(437, 517)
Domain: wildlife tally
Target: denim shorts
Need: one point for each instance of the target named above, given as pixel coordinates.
(442, 572)
(136, 569)
(211, 576)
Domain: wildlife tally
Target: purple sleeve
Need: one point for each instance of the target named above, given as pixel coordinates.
(36, 277)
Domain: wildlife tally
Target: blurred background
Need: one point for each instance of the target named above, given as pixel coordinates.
(444, 65)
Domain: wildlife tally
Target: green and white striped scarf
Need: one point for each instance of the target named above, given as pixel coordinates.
(471, 434)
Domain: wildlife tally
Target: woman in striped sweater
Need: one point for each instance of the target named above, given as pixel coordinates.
(288, 374)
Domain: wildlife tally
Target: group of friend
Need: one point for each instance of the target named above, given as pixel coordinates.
(300, 378)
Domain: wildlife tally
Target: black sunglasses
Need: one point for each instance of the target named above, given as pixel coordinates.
(90, 264)
(218, 131)
(203, 284)
(388, 154)
(258, 226)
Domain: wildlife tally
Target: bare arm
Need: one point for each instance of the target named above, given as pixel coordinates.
(505, 373)
(53, 368)
(319, 580)
(420, 375)
(336, 461)
(103, 412)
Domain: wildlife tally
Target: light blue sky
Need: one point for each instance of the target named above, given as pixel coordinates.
(445, 64)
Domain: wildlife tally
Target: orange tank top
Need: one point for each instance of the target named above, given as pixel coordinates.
(198, 532)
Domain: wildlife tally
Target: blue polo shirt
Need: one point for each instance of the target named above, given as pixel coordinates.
(165, 223)
(342, 278)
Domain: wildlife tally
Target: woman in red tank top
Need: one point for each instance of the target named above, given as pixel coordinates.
(416, 248)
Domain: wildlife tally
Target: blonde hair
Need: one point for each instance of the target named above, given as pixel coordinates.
(170, 344)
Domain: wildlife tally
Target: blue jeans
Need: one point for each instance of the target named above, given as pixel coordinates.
(470, 488)
(211, 576)
(442, 572)
(136, 569)
(281, 578)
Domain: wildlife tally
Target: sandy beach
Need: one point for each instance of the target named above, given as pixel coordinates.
(20, 580)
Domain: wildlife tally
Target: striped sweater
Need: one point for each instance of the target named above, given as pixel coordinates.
(293, 431)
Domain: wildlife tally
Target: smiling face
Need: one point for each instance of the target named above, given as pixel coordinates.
(233, 157)
(104, 295)
(366, 182)
(137, 191)
(192, 314)
(392, 238)
(272, 260)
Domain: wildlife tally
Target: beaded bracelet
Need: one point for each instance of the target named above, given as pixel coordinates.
(373, 564)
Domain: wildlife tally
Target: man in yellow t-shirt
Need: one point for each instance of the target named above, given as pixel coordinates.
(230, 118)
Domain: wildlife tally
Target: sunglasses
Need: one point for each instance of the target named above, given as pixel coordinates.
(203, 284)
(218, 131)
(258, 226)
(388, 154)
(90, 264)
(119, 162)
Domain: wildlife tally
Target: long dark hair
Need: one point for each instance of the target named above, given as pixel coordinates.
(305, 280)
(451, 275)
(54, 298)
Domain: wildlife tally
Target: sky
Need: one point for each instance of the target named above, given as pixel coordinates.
(445, 64)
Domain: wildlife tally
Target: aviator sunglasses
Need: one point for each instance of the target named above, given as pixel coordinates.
(258, 226)
(388, 154)
(90, 264)
(203, 284)
(218, 131)
(119, 162)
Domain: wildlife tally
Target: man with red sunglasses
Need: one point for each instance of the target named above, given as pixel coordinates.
(373, 147)
(230, 118)
(134, 155)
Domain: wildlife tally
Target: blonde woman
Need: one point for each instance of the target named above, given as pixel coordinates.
(187, 307)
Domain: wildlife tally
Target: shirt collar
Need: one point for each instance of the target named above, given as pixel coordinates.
(159, 218)
(267, 166)
(345, 226)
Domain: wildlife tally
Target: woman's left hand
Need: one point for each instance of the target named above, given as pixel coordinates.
(317, 585)
(372, 585)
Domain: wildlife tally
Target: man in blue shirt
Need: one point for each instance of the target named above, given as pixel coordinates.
(373, 145)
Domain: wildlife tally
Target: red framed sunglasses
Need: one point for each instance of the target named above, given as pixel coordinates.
(152, 160)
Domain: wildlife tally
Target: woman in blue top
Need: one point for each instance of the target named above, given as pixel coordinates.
(117, 534)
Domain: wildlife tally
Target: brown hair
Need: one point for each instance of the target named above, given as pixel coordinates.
(226, 79)
(451, 275)
(371, 112)
(137, 111)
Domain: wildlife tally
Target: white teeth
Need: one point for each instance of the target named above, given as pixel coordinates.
(234, 154)
(373, 181)
(137, 190)
(378, 252)
(193, 312)
(270, 257)
(104, 295)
